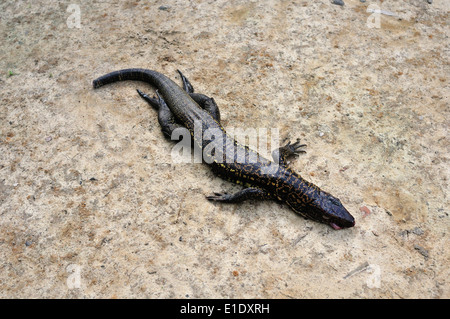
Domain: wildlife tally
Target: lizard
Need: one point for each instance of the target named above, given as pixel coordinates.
(263, 179)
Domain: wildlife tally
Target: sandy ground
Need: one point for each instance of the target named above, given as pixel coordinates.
(93, 206)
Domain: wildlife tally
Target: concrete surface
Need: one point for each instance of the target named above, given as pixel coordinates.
(92, 205)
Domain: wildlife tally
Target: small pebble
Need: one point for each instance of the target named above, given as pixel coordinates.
(417, 231)
(338, 2)
(421, 250)
(365, 210)
(164, 8)
(48, 138)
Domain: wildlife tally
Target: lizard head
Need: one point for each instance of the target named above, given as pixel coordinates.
(323, 207)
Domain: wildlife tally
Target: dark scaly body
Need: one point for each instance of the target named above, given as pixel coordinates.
(263, 179)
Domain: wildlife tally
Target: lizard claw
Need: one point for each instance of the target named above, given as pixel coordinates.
(294, 149)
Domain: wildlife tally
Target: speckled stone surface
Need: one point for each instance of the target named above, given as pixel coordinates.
(93, 206)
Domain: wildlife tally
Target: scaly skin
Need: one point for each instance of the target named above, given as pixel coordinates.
(262, 178)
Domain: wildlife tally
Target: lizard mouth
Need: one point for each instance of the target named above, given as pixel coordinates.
(336, 227)
(342, 224)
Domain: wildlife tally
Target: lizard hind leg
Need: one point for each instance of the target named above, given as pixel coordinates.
(208, 104)
(165, 116)
(187, 86)
(205, 102)
(151, 100)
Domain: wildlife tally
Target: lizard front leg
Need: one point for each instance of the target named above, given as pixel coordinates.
(283, 153)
